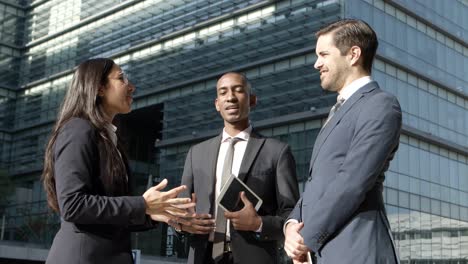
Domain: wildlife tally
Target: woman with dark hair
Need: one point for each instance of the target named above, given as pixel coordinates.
(86, 173)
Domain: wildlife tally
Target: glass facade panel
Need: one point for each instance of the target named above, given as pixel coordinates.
(428, 228)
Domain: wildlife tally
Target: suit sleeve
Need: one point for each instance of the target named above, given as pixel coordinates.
(76, 169)
(287, 194)
(187, 180)
(296, 212)
(187, 176)
(376, 135)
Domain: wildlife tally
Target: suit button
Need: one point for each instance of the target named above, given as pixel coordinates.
(310, 178)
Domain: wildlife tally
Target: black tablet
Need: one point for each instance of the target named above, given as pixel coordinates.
(229, 196)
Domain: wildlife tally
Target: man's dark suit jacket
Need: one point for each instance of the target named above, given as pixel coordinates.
(268, 168)
(95, 228)
(342, 205)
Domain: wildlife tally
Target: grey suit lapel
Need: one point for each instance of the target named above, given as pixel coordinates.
(325, 132)
(253, 147)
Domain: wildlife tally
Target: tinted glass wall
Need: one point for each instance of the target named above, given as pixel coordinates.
(422, 59)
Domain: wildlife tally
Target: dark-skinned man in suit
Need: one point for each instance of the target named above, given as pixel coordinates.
(266, 166)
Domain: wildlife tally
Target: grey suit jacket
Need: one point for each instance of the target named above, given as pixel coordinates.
(342, 206)
(268, 168)
(95, 227)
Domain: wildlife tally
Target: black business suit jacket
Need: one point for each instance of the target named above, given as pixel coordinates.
(95, 227)
(268, 168)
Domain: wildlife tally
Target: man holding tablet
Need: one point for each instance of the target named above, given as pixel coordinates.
(264, 169)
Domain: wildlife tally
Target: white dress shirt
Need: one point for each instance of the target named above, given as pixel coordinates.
(112, 131)
(239, 151)
(353, 87)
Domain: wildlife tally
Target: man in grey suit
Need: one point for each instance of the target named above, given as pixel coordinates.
(341, 215)
(265, 165)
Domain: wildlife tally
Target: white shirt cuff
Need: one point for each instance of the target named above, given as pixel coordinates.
(287, 222)
(259, 230)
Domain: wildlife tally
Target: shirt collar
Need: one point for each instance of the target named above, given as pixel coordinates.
(355, 85)
(244, 135)
(112, 130)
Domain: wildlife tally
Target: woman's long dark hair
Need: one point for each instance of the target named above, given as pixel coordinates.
(82, 101)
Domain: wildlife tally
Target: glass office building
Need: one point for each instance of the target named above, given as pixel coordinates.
(175, 50)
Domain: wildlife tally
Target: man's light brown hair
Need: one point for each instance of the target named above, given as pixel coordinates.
(353, 32)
